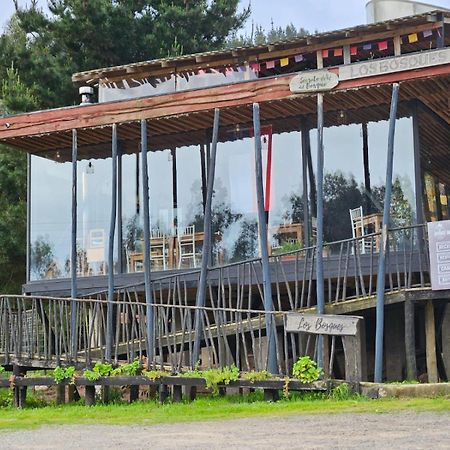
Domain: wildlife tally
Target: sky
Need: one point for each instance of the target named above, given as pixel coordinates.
(320, 15)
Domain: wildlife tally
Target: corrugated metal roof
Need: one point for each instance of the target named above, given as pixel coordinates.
(130, 70)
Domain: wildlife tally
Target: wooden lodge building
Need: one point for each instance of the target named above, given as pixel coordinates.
(289, 140)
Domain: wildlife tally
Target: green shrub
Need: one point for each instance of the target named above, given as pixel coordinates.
(214, 377)
(63, 373)
(2, 369)
(155, 374)
(254, 376)
(130, 369)
(340, 392)
(99, 370)
(306, 370)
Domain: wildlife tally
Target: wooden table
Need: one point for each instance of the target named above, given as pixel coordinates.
(372, 223)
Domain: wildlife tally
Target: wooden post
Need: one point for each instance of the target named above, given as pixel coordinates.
(134, 393)
(60, 394)
(306, 218)
(446, 340)
(354, 355)
(271, 395)
(163, 392)
(72, 393)
(430, 339)
(89, 397)
(177, 393)
(20, 392)
(410, 341)
(104, 394)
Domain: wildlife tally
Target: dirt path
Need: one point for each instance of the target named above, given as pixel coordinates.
(405, 430)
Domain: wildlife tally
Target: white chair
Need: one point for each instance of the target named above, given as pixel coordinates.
(357, 221)
(186, 246)
(158, 249)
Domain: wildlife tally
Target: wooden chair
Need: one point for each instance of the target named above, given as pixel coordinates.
(186, 246)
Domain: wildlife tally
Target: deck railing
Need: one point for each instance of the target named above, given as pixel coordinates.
(233, 320)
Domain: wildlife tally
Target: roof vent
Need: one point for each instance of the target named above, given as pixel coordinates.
(87, 95)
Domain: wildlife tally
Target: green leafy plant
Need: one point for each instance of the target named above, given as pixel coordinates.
(340, 392)
(61, 374)
(255, 375)
(306, 370)
(155, 374)
(214, 377)
(287, 247)
(130, 369)
(2, 369)
(99, 370)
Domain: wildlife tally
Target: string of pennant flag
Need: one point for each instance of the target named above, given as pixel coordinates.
(339, 51)
(355, 50)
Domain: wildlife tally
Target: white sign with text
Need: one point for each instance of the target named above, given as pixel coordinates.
(322, 324)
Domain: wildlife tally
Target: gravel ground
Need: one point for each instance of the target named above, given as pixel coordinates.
(400, 430)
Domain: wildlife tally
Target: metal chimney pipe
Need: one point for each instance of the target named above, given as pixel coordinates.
(87, 95)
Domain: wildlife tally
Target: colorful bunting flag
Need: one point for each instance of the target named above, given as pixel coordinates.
(298, 58)
(353, 51)
(367, 46)
(284, 62)
(337, 51)
(427, 33)
(382, 45)
(270, 64)
(412, 38)
(324, 53)
(255, 67)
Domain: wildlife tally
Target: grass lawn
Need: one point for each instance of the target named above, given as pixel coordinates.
(206, 408)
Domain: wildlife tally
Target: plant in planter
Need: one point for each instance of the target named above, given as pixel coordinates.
(61, 374)
(287, 247)
(99, 370)
(306, 370)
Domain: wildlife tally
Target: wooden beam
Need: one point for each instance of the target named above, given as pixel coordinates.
(105, 114)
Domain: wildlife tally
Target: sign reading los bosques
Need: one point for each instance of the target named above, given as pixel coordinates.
(314, 81)
(322, 324)
(383, 66)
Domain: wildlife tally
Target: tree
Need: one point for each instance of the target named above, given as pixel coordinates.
(14, 96)
(260, 36)
(82, 35)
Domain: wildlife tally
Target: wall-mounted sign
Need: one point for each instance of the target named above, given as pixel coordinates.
(439, 247)
(314, 81)
(322, 324)
(382, 66)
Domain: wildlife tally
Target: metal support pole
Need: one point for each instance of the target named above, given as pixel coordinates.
(112, 230)
(120, 249)
(28, 266)
(306, 219)
(147, 262)
(73, 253)
(201, 291)
(272, 365)
(379, 333)
(319, 246)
